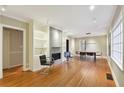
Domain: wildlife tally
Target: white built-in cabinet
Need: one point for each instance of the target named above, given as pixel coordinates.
(40, 42)
(45, 42)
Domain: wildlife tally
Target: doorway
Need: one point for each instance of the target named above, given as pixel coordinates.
(12, 51)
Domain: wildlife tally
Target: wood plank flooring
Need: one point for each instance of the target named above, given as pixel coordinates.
(76, 73)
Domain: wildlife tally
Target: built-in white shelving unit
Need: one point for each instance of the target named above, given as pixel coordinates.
(40, 42)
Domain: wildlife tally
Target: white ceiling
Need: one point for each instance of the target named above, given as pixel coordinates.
(75, 20)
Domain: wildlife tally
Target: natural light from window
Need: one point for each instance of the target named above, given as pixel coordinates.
(117, 42)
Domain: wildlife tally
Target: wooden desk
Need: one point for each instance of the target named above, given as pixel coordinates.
(87, 53)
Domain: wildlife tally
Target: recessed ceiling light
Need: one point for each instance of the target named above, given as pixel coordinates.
(92, 7)
(3, 9)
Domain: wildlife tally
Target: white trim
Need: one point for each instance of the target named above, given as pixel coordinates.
(118, 21)
(15, 66)
(16, 18)
(24, 45)
(13, 27)
(118, 64)
(117, 25)
(113, 74)
(24, 50)
(1, 47)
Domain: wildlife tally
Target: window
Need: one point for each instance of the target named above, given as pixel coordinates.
(83, 45)
(89, 45)
(117, 43)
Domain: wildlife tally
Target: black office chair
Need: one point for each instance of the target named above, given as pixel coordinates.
(92, 54)
(46, 61)
(82, 55)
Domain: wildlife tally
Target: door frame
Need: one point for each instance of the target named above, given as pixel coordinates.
(1, 46)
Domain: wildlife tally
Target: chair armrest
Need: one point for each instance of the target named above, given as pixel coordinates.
(50, 59)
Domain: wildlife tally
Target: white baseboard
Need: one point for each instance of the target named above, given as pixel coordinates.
(113, 74)
(34, 70)
(1, 75)
(26, 69)
(15, 66)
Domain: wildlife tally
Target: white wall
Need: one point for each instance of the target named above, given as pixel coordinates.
(98, 42)
(64, 37)
(72, 46)
(118, 74)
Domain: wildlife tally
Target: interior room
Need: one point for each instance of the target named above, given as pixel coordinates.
(61, 46)
(12, 51)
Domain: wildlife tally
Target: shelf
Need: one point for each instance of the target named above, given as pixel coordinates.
(39, 32)
(40, 51)
(41, 48)
(37, 54)
(36, 38)
(55, 47)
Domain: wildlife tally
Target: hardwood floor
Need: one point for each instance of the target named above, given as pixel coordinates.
(76, 73)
